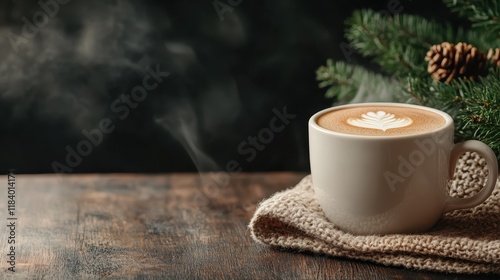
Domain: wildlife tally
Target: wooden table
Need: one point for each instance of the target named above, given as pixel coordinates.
(166, 226)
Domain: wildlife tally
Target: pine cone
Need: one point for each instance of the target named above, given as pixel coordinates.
(494, 56)
(448, 61)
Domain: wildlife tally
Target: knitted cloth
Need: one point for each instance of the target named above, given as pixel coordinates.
(464, 241)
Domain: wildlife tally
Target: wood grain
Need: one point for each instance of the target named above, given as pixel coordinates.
(165, 226)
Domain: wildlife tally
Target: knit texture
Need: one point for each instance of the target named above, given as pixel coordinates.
(464, 241)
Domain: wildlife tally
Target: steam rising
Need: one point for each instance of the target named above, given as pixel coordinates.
(378, 91)
(69, 69)
(182, 123)
(91, 52)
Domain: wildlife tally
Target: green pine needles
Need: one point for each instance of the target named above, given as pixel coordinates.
(398, 45)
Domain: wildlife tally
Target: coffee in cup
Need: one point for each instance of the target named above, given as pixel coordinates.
(381, 121)
(380, 168)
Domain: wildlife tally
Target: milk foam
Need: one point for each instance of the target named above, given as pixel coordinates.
(380, 120)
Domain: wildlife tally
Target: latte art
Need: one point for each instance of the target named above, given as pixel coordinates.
(380, 120)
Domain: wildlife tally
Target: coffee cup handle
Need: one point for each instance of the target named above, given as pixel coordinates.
(483, 150)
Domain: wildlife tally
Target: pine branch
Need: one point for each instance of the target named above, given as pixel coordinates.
(480, 117)
(475, 106)
(347, 83)
(477, 39)
(426, 92)
(397, 43)
(484, 14)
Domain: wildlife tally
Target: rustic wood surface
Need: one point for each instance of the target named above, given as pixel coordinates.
(165, 226)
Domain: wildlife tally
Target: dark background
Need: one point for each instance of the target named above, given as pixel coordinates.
(225, 79)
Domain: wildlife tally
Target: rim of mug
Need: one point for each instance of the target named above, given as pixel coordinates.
(312, 120)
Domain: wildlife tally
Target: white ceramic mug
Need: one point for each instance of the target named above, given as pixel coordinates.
(390, 184)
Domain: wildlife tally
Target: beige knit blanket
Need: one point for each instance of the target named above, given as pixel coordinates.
(464, 241)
